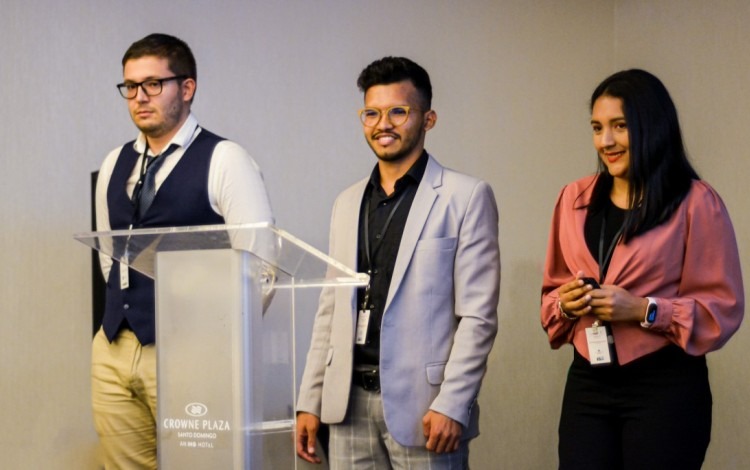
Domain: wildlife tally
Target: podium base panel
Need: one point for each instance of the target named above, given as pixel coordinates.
(220, 374)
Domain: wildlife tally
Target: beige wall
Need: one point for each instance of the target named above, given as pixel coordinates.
(511, 81)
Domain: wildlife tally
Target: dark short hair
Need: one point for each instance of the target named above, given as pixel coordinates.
(390, 70)
(175, 50)
(660, 175)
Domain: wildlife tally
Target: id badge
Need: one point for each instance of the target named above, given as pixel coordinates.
(363, 321)
(599, 347)
(124, 275)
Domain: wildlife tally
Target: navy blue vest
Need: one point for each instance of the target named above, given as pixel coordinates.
(180, 201)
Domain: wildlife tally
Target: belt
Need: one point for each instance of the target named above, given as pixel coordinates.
(368, 379)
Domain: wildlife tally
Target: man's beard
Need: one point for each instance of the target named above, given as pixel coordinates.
(170, 120)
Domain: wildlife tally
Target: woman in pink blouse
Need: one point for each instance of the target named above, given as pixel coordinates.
(642, 277)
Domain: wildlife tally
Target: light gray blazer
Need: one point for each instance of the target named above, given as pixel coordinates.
(440, 317)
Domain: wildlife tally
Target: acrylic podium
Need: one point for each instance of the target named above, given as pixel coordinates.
(225, 328)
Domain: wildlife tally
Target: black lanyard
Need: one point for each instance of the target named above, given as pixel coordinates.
(603, 267)
(605, 259)
(371, 253)
(146, 162)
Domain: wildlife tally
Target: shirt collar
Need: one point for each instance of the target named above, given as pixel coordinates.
(413, 175)
(183, 138)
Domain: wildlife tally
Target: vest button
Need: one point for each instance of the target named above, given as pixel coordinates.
(125, 306)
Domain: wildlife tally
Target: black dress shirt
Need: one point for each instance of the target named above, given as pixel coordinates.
(386, 219)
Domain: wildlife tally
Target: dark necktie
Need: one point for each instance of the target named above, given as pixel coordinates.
(148, 192)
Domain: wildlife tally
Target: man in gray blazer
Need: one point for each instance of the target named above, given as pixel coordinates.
(395, 368)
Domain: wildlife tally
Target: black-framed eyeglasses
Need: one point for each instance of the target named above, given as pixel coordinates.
(152, 86)
(397, 115)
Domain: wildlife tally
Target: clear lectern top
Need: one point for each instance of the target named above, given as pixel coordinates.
(308, 266)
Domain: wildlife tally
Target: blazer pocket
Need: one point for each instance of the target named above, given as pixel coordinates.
(435, 373)
(437, 244)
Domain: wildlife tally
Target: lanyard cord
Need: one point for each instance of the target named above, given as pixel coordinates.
(604, 260)
(135, 198)
(146, 162)
(366, 224)
(603, 267)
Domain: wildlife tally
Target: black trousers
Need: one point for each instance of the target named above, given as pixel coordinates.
(654, 413)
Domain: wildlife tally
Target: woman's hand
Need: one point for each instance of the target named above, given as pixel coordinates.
(612, 303)
(574, 297)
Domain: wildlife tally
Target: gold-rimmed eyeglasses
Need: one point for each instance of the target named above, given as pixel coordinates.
(152, 86)
(397, 115)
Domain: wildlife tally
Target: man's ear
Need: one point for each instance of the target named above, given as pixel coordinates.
(188, 89)
(430, 118)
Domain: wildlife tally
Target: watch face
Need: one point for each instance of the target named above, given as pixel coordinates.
(651, 316)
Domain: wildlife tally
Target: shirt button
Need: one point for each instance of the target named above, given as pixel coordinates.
(377, 236)
(126, 306)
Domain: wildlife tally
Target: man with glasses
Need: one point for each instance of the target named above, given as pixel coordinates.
(175, 173)
(395, 368)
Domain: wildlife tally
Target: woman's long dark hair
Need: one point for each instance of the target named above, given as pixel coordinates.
(660, 174)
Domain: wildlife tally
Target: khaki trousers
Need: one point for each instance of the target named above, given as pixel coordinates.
(123, 392)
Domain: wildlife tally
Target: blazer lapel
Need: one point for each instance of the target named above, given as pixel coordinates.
(349, 223)
(415, 222)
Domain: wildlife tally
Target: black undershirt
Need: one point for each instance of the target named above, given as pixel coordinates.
(615, 217)
(383, 248)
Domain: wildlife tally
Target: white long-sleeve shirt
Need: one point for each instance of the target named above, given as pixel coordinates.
(236, 189)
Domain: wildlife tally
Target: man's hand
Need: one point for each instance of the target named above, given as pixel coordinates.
(443, 434)
(307, 431)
